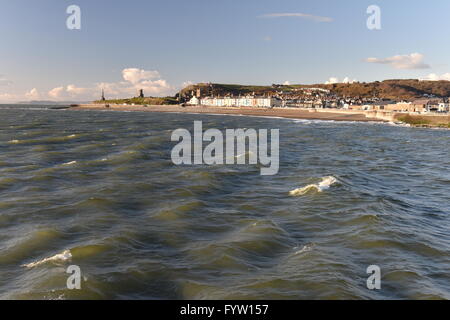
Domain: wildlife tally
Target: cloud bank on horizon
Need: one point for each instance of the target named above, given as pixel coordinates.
(437, 77)
(134, 79)
(407, 61)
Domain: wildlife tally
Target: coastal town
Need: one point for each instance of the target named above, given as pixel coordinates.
(319, 98)
(413, 102)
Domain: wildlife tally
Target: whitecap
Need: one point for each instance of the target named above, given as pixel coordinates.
(60, 257)
(325, 184)
(69, 163)
(305, 248)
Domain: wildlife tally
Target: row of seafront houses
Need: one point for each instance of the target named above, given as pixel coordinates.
(247, 101)
(417, 106)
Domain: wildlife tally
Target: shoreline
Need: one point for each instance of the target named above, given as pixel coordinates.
(288, 113)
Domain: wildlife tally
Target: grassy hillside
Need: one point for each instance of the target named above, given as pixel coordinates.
(388, 89)
(393, 89)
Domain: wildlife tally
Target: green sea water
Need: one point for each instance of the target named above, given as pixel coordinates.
(101, 187)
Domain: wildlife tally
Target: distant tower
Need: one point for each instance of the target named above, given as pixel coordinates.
(141, 93)
(103, 95)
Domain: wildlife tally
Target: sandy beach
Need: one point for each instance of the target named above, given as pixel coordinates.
(291, 113)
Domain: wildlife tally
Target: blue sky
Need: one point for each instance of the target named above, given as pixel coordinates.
(161, 45)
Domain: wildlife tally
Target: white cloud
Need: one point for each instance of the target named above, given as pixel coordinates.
(71, 92)
(408, 61)
(334, 80)
(33, 94)
(8, 97)
(135, 75)
(297, 15)
(56, 93)
(436, 77)
(157, 87)
(348, 80)
(75, 91)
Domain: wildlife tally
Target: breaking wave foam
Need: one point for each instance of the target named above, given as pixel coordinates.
(61, 257)
(325, 184)
(70, 163)
(306, 248)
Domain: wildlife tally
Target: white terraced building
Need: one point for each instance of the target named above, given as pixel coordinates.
(444, 107)
(249, 101)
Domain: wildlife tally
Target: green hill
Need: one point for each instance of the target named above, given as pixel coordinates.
(388, 89)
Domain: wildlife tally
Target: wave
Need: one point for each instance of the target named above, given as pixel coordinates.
(45, 140)
(399, 124)
(69, 163)
(60, 257)
(325, 184)
(306, 248)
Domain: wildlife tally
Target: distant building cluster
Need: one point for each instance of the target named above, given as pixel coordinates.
(319, 98)
(417, 106)
(247, 101)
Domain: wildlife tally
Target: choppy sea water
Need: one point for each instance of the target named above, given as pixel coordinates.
(99, 190)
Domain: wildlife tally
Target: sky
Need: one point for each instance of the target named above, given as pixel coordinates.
(163, 45)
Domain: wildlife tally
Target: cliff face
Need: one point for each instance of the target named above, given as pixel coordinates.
(388, 89)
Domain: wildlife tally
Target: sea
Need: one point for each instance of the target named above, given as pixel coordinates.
(97, 192)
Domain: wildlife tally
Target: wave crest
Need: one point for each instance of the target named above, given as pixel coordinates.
(61, 257)
(325, 184)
